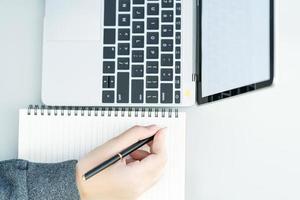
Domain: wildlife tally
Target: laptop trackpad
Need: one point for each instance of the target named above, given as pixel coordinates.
(72, 20)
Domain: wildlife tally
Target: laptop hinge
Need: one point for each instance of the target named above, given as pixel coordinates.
(194, 77)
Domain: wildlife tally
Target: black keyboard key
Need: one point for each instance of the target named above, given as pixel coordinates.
(110, 7)
(123, 63)
(167, 3)
(177, 82)
(167, 16)
(167, 31)
(138, 27)
(166, 93)
(109, 67)
(152, 67)
(167, 45)
(105, 82)
(138, 41)
(108, 82)
(152, 82)
(178, 53)
(178, 38)
(123, 49)
(178, 23)
(137, 71)
(124, 5)
(178, 8)
(152, 24)
(153, 9)
(109, 52)
(124, 34)
(177, 67)
(137, 91)
(138, 56)
(152, 52)
(167, 60)
(138, 13)
(177, 97)
(109, 36)
(123, 87)
(152, 38)
(151, 96)
(166, 75)
(108, 96)
(124, 20)
(138, 1)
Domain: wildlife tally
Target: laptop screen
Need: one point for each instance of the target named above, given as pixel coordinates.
(235, 44)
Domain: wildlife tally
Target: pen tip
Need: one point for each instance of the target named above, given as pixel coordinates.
(83, 178)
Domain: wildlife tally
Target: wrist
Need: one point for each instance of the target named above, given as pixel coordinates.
(79, 183)
(82, 191)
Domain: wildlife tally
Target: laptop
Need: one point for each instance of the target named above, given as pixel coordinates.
(155, 53)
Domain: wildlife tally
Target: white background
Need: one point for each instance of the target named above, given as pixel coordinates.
(243, 148)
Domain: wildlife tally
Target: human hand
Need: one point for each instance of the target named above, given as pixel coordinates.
(129, 178)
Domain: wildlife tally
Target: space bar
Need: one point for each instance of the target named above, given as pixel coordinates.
(110, 13)
(123, 87)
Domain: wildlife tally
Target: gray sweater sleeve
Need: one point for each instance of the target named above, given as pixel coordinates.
(22, 180)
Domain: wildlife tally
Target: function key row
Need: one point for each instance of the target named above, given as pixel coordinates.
(124, 5)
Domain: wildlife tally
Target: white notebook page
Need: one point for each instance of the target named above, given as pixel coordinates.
(49, 139)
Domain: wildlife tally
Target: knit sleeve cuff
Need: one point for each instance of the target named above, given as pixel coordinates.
(54, 181)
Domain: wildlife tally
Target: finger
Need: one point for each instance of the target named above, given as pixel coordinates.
(132, 165)
(158, 145)
(156, 160)
(123, 141)
(129, 160)
(139, 154)
(150, 143)
(134, 135)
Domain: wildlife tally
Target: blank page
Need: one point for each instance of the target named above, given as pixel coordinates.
(56, 138)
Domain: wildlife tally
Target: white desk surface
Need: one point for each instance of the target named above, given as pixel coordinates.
(242, 148)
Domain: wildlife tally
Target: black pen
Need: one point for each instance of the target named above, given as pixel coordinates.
(116, 158)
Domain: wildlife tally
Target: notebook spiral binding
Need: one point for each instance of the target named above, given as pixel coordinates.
(101, 111)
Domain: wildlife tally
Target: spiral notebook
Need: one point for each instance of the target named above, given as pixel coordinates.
(50, 135)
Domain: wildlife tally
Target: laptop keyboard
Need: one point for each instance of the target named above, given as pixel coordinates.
(142, 51)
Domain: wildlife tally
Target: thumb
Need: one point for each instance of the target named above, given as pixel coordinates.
(151, 168)
(128, 138)
(121, 142)
(158, 157)
(158, 146)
